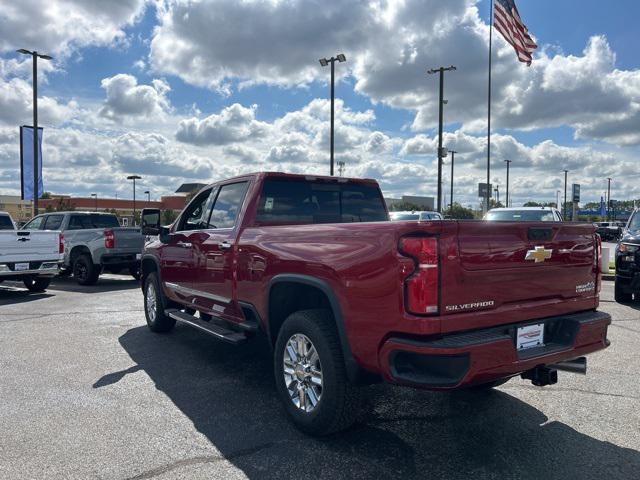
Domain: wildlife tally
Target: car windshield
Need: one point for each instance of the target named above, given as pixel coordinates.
(398, 217)
(5, 223)
(521, 216)
(634, 223)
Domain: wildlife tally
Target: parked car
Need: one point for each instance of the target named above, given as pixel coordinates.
(524, 214)
(32, 257)
(346, 297)
(414, 215)
(628, 261)
(94, 242)
(610, 231)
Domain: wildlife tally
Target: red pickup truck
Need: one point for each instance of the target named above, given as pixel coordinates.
(346, 297)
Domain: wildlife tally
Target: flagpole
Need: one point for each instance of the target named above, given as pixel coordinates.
(489, 112)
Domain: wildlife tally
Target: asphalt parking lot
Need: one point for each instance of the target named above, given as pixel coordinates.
(88, 392)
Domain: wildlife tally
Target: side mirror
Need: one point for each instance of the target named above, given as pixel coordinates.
(150, 221)
(164, 234)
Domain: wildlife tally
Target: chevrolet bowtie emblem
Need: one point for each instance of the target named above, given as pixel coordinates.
(538, 254)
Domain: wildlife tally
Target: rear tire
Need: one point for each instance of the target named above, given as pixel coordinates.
(37, 284)
(85, 271)
(315, 362)
(157, 321)
(620, 295)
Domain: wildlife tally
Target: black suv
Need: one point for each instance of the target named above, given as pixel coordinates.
(628, 261)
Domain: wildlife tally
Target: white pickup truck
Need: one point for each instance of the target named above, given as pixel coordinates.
(33, 257)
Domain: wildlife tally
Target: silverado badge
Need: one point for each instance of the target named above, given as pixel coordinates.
(538, 254)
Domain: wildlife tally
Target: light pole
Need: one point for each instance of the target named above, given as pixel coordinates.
(608, 199)
(508, 162)
(497, 192)
(440, 70)
(134, 178)
(453, 158)
(558, 199)
(324, 62)
(148, 195)
(34, 56)
(95, 201)
(564, 205)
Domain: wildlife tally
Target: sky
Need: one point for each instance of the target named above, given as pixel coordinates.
(186, 91)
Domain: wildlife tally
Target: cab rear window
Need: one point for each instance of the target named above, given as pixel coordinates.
(298, 202)
(5, 223)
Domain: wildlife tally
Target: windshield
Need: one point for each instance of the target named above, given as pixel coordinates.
(634, 222)
(397, 217)
(521, 216)
(5, 223)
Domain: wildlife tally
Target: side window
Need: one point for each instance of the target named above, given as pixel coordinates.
(53, 222)
(34, 224)
(79, 222)
(227, 205)
(193, 217)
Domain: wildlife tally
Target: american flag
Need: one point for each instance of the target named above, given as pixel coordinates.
(507, 21)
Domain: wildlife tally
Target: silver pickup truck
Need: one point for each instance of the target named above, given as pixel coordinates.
(33, 257)
(94, 242)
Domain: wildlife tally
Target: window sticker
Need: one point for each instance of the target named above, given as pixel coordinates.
(268, 204)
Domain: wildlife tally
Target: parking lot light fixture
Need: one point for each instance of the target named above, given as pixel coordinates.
(441, 103)
(95, 201)
(134, 178)
(35, 55)
(324, 62)
(148, 193)
(564, 205)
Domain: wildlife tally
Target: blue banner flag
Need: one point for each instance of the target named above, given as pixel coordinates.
(603, 210)
(26, 162)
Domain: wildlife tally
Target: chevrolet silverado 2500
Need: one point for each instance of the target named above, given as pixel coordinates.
(346, 297)
(32, 257)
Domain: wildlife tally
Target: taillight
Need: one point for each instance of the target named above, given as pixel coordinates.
(109, 239)
(421, 288)
(61, 243)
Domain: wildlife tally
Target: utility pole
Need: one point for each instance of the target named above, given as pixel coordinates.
(608, 199)
(34, 56)
(441, 71)
(324, 62)
(508, 162)
(564, 205)
(134, 178)
(453, 157)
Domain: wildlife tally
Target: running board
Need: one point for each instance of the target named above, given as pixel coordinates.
(216, 330)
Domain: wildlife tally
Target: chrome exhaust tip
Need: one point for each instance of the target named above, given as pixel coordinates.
(577, 365)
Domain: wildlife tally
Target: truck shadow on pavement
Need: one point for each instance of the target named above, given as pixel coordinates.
(109, 283)
(228, 394)
(9, 295)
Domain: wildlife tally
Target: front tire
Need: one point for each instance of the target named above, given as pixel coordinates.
(310, 374)
(36, 284)
(157, 321)
(84, 270)
(620, 295)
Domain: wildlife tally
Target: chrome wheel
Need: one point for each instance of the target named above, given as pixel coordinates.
(151, 302)
(302, 372)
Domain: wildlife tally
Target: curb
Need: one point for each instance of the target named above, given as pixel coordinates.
(608, 277)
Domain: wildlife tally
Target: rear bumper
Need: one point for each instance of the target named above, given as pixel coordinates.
(40, 269)
(480, 356)
(120, 259)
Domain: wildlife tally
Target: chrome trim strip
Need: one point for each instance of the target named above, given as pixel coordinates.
(196, 293)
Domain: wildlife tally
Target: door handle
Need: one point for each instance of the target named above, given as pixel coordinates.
(184, 244)
(224, 245)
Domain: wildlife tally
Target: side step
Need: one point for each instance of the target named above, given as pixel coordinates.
(217, 331)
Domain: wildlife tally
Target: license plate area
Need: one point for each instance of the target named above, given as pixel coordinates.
(20, 267)
(530, 336)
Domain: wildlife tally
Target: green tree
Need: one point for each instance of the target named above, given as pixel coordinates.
(459, 212)
(168, 217)
(532, 204)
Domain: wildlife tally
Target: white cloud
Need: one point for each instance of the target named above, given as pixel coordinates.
(125, 98)
(60, 26)
(234, 123)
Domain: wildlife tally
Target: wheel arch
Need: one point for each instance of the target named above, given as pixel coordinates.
(320, 295)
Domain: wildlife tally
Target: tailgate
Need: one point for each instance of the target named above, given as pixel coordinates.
(490, 265)
(29, 245)
(128, 239)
